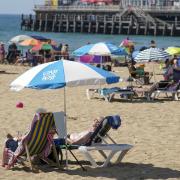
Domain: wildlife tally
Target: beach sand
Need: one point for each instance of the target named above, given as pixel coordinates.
(153, 128)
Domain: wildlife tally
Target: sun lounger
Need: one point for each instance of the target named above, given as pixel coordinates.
(109, 93)
(173, 89)
(161, 87)
(112, 148)
(99, 141)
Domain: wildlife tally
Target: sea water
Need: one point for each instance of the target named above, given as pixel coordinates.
(10, 27)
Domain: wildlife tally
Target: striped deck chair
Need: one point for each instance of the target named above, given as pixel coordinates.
(37, 140)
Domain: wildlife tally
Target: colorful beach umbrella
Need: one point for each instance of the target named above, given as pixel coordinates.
(101, 49)
(42, 46)
(94, 59)
(19, 38)
(30, 42)
(173, 50)
(151, 54)
(63, 73)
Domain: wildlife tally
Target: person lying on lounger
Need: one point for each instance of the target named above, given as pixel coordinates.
(84, 136)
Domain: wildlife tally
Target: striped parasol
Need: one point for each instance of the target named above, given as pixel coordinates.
(151, 54)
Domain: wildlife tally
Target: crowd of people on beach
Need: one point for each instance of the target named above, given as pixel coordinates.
(14, 145)
(15, 56)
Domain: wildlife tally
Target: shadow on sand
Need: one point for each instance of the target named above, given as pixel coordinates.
(118, 171)
(4, 72)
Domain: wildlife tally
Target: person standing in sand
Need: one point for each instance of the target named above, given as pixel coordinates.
(2, 53)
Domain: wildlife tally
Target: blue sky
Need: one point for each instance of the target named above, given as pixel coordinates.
(18, 6)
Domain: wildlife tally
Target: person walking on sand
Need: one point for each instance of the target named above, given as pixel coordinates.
(2, 53)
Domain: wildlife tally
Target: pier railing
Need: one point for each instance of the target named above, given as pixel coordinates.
(77, 8)
(111, 8)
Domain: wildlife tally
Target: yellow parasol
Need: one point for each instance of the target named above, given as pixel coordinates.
(173, 50)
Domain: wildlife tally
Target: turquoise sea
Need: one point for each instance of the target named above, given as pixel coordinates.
(10, 27)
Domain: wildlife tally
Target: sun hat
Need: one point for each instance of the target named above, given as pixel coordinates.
(41, 110)
(19, 105)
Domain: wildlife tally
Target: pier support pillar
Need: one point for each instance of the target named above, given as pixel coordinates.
(60, 22)
(54, 21)
(137, 28)
(172, 30)
(40, 22)
(82, 26)
(67, 25)
(164, 29)
(74, 24)
(97, 26)
(105, 25)
(120, 28)
(89, 27)
(155, 29)
(46, 21)
(146, 28)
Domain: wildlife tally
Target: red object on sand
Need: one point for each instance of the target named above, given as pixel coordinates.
(19, 105)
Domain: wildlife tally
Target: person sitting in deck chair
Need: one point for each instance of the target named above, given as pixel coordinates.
(13, 145)
(138, 73)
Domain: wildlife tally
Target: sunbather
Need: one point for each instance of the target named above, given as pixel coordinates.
(84, 136)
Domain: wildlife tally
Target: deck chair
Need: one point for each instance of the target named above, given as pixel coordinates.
(109, 93)
(139, 76)
(172, 87)
(98, 141)
(34, 142)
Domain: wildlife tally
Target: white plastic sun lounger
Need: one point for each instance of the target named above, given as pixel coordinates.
(109, 93)
(112, 148)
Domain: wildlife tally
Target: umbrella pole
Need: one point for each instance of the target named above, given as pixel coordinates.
(101, 62)
(65, 118)
(154, 73)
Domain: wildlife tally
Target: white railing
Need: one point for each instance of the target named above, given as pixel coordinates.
(77, 8)
(106, 8)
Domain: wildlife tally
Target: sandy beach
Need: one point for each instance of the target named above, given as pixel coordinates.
(153, 128)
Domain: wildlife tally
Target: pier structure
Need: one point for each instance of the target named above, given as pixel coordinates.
(128, 17)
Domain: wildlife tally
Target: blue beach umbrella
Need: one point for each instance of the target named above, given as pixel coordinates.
(151, 54)
(101, 49)
(134, 54)
(62, 73)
